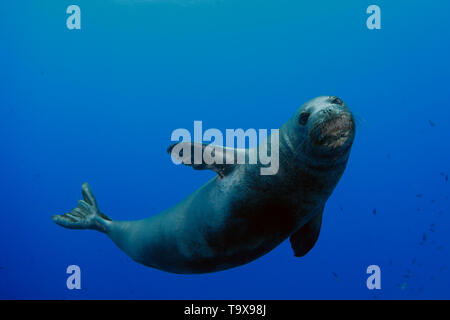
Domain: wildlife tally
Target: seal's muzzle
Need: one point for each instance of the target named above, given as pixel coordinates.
(333, 128)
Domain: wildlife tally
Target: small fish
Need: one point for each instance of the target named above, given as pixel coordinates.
(446, 178)
(403, 286)
(409, 274)
(335, 275)
(424, 239)
(432, 123)
(374, 212)
(419, 195)
(432, 227)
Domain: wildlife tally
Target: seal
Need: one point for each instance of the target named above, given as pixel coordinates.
(240, 215)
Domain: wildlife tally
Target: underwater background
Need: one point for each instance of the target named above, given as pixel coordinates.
(99, 105)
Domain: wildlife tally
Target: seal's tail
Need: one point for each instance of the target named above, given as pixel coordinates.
(85, 216)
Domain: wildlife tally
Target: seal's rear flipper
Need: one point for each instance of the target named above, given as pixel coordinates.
(201, 156)
(85, 216)
(303, 240)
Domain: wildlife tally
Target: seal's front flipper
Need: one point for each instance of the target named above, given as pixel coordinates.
(201, 156)
(304, 238)
(85, 216)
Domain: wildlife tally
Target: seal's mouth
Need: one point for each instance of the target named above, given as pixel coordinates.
(334, 132)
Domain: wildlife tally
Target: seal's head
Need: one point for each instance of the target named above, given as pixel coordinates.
(325, 129)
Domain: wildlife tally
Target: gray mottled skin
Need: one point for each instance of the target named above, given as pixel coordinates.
(231, 221)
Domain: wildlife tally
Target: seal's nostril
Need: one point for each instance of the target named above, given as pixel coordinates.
(336, 100)
(303, 119)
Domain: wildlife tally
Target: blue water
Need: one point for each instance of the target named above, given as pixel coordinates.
(99, 105)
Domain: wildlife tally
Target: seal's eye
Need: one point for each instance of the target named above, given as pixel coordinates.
(303, 119)
(336, 100)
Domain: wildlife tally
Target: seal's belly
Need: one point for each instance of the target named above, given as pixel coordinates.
(218, 238)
